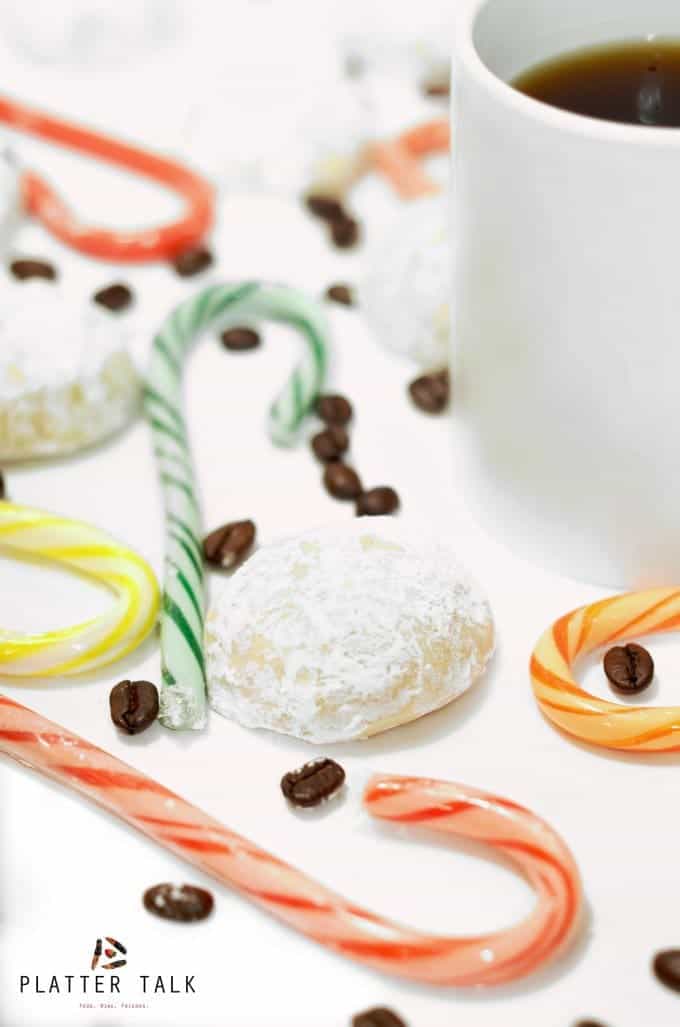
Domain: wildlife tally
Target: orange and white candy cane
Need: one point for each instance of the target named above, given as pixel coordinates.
(400, 160)
(598, 721)
(305, 904)
(40, 199)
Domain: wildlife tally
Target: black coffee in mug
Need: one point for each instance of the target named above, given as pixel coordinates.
(635, 82)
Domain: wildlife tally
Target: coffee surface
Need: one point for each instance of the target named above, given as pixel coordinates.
(634, 82)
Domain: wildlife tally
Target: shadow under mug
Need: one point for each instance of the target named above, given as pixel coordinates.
(566, 311)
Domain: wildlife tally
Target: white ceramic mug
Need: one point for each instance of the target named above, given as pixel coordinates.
(566, 327)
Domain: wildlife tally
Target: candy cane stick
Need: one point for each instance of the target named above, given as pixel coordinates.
(598, 721)
(150, 244)
(399, 159)
(183, 695)
(26, 532)
(529, 843)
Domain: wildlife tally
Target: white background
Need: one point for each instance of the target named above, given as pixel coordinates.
(70, 873)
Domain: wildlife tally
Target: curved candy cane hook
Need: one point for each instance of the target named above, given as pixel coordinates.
(29, 533)
(599, 721)
(311, 908)
(183, 695)
(399, 160)
(41, 200)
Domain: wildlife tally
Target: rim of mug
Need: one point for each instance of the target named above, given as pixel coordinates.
(466, 53)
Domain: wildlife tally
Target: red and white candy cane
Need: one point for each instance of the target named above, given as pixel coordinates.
(529, 843)
(399, 160)
(43, 202)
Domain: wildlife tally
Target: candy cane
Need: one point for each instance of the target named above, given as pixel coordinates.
(398, 160)
(598, 721)
(529, 843)
(26, 532)
(183, 695)
(150, 244)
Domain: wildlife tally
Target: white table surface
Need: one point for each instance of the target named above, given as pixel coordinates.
(69, 873)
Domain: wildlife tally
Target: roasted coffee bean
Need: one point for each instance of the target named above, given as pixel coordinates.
(630, 668)
(589, 1023)
(377, 502)
(340, 294)
(324, 206)
(193, 261)
(313, 782)
(666, 966)
(378, 1017)
(114, 297)
(430, 392)
(134, 705)
(239, 339)
(25, 269)
(182, 902)
(227, 546)
(330, 444)
(341, 481)
(345, 232)
(437, 88)
(333, 409)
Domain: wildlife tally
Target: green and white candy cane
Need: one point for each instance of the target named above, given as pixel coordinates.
(183, 693)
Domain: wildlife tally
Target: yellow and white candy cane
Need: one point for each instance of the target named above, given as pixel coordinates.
(29, 533)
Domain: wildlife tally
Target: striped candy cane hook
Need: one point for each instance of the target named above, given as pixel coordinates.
(26, 533)
(183, 694)
(399, 160)
(531, 845)
(43, 202)
(599, 721)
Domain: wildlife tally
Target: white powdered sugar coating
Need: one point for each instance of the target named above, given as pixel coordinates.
(406, 290)
(410, 42)
(66, 378)
(345, 632)
(328, 123)
(275, 117)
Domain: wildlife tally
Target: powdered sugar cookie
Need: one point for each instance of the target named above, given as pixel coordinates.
(66, 378)
(273, 117)
(345, 632)
(406, 287)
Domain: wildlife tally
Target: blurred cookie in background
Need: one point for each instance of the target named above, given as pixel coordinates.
(405, 290)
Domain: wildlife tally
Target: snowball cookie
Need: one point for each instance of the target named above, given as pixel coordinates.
(274, 117)
(412, 41)
(406, 289)
(66, 379)
(345, 632)
(290, 141)
(88, 33)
